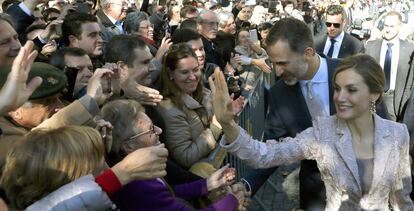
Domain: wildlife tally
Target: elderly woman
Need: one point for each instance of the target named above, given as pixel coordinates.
(191, 133)
(138, 23)
(133, 129)
(363, 159)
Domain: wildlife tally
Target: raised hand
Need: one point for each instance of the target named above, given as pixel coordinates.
(15, 91)
(222, 103)
(105, 129)
(50, 33)
(95, 89)
(143, 94)
(142, 164)
(237, 104)
(223, 106)
(261, 64)
(222, 177)
(164, 47)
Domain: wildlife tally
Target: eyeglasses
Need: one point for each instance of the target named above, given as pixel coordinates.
(150, 130)
(336, 25)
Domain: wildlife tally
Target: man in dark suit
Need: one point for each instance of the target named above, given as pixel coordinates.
(336, 43)
(111, 17)
(393, 54)
(290, 49)
(207, 25)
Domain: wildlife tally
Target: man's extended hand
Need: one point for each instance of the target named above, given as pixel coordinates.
(142, 164)
(95, 89)
(143, 94)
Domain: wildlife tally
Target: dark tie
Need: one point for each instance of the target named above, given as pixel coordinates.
(387, 66)
(331, 49)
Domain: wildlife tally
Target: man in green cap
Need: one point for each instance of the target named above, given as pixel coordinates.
(44, 109)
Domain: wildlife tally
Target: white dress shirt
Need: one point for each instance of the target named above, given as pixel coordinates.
(394, 59)
(320, 84)
(337, 45)
(114, 21)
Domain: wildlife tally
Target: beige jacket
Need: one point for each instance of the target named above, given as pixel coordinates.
(187, 139)
(329, 142)
(80, 112)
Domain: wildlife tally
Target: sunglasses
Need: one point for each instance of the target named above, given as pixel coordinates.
(336, 25)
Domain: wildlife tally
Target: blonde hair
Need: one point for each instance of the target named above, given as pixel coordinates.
(44, 160)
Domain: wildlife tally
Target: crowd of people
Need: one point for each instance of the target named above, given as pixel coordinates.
(133, 105)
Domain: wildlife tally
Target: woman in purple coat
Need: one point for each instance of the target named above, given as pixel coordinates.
(133, 130)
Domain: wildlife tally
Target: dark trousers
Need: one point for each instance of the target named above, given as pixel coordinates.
(312, 190)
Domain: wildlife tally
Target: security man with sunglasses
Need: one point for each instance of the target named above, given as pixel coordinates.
(336, 43)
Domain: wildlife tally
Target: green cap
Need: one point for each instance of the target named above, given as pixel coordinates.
(54, 80)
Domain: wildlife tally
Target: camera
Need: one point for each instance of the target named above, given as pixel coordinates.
(357, 30)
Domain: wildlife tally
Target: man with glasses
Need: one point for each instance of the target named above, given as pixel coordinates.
(336, 43)
(207, 25)
(111, 17)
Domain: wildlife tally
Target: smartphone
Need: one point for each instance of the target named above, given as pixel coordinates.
(162, 2)
(59, 32)
(71, 74)
(108, 88)
(253, 35)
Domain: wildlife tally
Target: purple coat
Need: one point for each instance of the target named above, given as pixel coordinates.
(154, 195)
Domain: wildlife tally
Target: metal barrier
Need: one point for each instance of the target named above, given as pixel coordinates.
(252, 119)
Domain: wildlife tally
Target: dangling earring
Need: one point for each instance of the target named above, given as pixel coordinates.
(373, 108)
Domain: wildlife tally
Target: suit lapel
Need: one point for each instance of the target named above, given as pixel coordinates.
(344, 46)
(403, 78)
(377, 49)
(297, 114)
(382, 150)
(332, 63)
(345, 150)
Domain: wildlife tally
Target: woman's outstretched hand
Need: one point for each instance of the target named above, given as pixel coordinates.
(222, 103)
(223, 106)
(222, 177)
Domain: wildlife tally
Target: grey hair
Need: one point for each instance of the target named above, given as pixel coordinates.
(200, 17)
(105, 2)
(223, 17)
(133, 20)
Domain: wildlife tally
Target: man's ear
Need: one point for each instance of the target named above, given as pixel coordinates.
(73, 41)
(16, 114)
(309, 52)
(123, 70)
(199, 27)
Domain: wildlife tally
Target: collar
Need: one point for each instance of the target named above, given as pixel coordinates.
(340, 37)
(321, 75)
(191, 103)
(394, 41)
(113, 20)
(379, 125)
